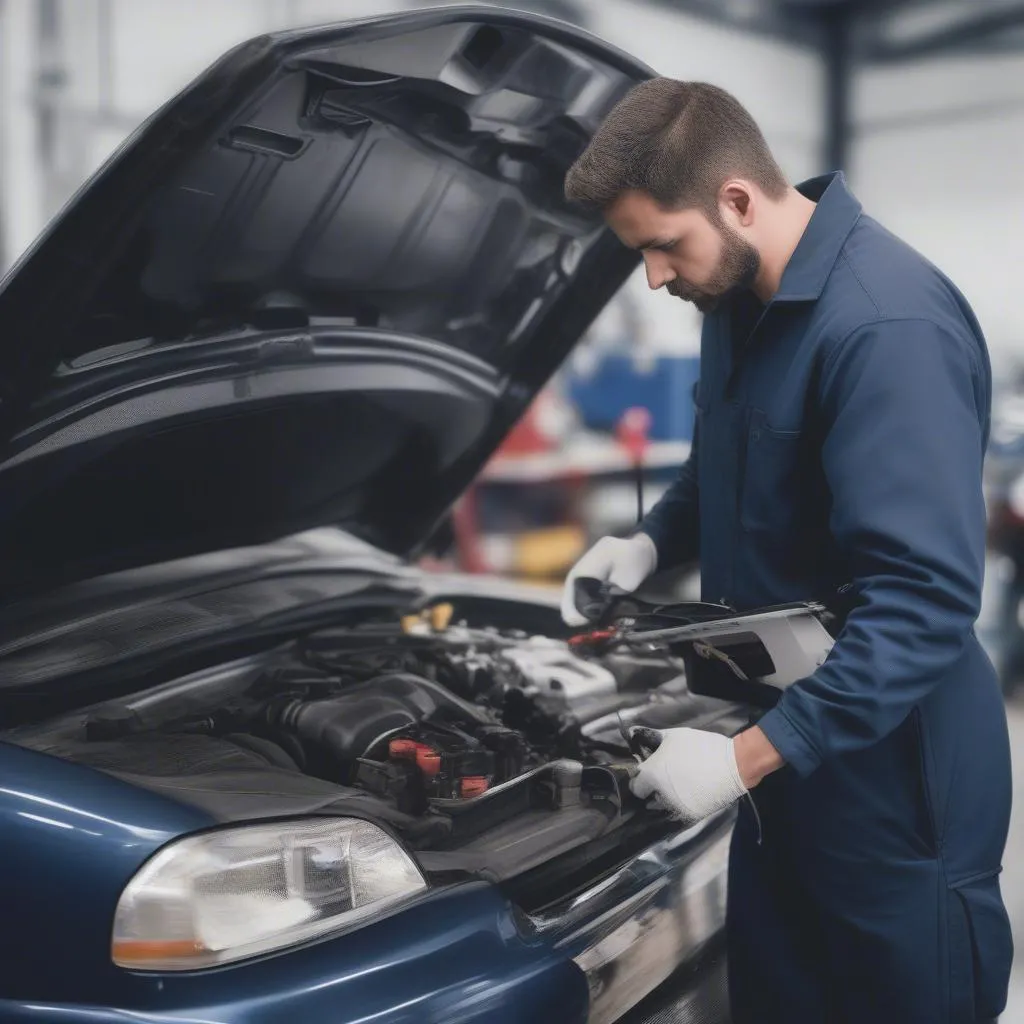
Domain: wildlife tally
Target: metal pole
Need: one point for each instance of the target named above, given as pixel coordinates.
(50, 80)
(106, 103)
(837, 55)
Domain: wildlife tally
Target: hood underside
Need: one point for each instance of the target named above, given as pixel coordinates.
(318, 287)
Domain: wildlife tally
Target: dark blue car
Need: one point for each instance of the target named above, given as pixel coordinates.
(247, 779)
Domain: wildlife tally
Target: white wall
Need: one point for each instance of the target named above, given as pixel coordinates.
(939, 159)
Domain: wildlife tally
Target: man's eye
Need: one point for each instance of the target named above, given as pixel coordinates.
(666, 246)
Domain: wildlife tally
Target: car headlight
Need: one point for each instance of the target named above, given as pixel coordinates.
(226, 895)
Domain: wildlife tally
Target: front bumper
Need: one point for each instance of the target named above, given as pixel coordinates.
(462, 955)
(632, 932)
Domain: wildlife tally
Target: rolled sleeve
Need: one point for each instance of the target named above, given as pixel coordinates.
(794, 748)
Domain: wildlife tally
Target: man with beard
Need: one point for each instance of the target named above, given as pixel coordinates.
(842, 419)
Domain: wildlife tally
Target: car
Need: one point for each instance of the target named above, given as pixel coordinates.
(256, 764)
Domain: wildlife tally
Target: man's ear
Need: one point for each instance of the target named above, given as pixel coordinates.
(736, 201)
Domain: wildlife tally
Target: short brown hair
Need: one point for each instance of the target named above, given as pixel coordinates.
(676, 141)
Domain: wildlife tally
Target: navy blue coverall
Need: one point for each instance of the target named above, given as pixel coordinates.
(840, 436)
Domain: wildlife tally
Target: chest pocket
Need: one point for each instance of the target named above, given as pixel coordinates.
(773, 478)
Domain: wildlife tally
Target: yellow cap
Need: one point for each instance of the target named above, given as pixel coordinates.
(441, 616)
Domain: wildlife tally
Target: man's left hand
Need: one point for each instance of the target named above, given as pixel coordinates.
(696, 773)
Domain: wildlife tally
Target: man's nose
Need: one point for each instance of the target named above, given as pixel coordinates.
(659, 273)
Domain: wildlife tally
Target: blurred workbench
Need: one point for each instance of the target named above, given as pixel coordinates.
(587, 455)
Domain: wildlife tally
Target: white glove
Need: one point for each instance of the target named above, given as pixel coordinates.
(693, 773)
(623, 563)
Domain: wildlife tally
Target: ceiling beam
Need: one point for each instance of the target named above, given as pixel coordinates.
(753, 17)
(979, 28)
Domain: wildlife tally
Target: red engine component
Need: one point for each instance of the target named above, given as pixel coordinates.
(473, 785)
(595, 640)
(450, 770)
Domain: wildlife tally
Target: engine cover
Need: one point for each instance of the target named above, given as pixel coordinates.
(550, 665)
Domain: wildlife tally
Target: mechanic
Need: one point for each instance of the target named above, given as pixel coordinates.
(842, 420)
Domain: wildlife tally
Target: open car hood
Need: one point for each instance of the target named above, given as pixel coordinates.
(318, 287)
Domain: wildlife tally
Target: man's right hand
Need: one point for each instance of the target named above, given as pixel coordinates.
(622, 563)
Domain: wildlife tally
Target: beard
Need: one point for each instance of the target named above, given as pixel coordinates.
(737, 269)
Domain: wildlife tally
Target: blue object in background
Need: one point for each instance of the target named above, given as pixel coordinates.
(665, 389)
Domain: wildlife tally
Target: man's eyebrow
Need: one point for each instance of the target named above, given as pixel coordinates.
(655, 243)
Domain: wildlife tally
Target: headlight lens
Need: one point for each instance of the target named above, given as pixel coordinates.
(226, 895)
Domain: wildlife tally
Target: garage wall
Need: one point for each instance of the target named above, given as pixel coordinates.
(939, 159)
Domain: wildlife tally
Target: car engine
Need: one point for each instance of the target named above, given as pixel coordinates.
(460, 738)
(416, 714)
(446, 715)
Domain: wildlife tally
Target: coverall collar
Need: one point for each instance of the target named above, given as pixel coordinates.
(816, 254)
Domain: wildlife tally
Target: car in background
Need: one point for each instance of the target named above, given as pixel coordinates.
(251, 779)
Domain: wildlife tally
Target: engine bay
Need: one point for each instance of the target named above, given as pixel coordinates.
(488, 751)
